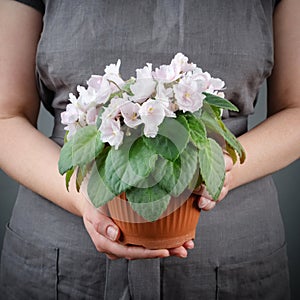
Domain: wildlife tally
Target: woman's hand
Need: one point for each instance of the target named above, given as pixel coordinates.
(205, 201)
(105, 234)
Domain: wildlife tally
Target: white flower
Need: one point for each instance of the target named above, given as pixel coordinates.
(112, 74)
(91, 116)
(152, 114)
(113, 110)
(210, 84)
(99, 88)
(150, 130)
(144, 85)
(166, 73)
(130, 113)
(172, 72)
(70, 115)
(188, 94)
(86, 98)
(180, 63)
(111, 132)
(164, 97)
(72, 129)
(156, 95)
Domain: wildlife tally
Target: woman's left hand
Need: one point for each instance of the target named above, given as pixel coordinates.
(205, 201)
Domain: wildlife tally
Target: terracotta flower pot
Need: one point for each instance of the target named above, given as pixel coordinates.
(176, 226)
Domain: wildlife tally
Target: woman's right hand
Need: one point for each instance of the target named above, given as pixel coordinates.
(105, 234)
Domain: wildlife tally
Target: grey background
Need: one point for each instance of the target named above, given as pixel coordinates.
(287, 181)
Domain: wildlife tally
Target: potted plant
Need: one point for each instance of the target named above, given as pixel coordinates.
(141, 146)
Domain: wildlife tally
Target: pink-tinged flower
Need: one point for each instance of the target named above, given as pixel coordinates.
(144, 86)
(166, 74)
(150, 130)
(180, 63)
(113, 110)
(111, 132)
(72, 129)
(91, 116)
(165, 96)
(130, 113)
(70, 115)
(152, 114)
(112, 74)
(188, 95)
(209, 84)
(99, 88)
(220, 94)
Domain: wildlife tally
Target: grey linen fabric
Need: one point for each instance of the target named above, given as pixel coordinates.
(240, 245)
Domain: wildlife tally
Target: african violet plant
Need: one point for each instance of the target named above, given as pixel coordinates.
(152, 137)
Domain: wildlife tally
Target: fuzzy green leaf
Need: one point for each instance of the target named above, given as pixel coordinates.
(119, 173)
(233, 142)
(179, 174)
(69, 174)
(84, 146)
(219, 102)
(212, 167)
(213, 124)
(197, 130)
(231, 153)
(172, 138)
(98, 191)
(80, 175)
(141, 158)
(150, 202)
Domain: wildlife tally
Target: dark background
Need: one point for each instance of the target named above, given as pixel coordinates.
(287, 181)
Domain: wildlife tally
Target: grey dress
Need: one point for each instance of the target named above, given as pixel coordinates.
(240, 245)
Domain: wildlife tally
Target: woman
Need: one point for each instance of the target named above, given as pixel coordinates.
(53, 46)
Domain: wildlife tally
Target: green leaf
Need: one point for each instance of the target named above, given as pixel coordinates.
(98, 191)
(80, 175)
(141, 158)
(212, 167)
(179, 174)
(119, 173)
(213, 124)
(233, 142)
(231, 153)
(69, 174)
(219, 102)
(197, 130)
(84, 146)
(149, 203)
(172, 138)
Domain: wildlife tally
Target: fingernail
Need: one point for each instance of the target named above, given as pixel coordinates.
(112, 233)
(190, 246)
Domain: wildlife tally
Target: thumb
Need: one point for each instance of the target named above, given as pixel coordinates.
(103, 224)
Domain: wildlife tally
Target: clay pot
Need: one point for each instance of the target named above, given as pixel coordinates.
(177, 225)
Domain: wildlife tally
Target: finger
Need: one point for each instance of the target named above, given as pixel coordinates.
(112, 257)
(206, 204)
(179, 252)
(114, 250)
(189, 244)
(228, 178)
(134, 252)
(103, 225)
(199, 190)
(228, 162)
(223, 193)
(205, 193)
